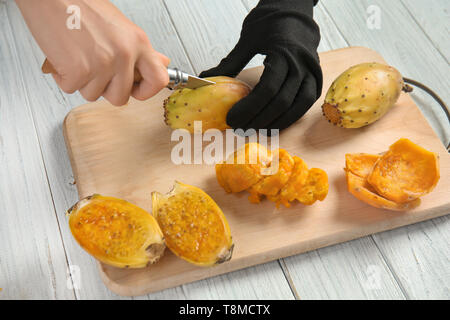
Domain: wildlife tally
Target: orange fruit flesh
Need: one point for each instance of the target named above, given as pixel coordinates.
(194, 227)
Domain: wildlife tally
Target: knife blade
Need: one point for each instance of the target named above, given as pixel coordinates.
(177, 78)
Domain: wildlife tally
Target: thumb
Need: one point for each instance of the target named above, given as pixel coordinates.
(232, 64)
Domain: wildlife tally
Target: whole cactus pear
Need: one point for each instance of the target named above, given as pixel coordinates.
(209, 104)
(363, 94)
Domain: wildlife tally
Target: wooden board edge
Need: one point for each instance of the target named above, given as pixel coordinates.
(68, 144)
(279, 253)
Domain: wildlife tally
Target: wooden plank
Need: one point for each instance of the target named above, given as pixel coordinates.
(208, 29)
(420, 266)
(434, 20)
(335, 273)
(135, 159)
(261, 282)
(351, 261)
(32, 260)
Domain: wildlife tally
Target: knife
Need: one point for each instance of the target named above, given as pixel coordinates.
(177, 78)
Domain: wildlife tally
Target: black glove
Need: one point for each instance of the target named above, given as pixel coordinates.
(284, 31)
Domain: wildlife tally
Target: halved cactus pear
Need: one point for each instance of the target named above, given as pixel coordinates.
(363, 94)
(209, 104)
(116, 232)
(194, 226)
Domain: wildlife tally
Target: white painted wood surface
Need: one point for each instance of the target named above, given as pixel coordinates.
(32, 260)
(36, 247)
(417, 255)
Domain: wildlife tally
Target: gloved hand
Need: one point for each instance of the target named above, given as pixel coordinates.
(98, 59)
(284, 31)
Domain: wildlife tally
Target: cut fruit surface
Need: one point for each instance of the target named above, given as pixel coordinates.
(116, 232)
(193, 225)
(270, 185)
(315, 188)
(290, 190)
(243, 168)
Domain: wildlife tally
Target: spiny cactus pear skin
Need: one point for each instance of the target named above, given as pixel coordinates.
(209, 104)
(362, 94)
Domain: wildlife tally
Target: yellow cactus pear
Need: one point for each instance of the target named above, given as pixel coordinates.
(209, 104)
(363, 94)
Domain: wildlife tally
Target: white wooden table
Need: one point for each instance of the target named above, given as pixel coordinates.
(36, 184)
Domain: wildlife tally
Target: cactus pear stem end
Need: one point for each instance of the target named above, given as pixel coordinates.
(407, 88)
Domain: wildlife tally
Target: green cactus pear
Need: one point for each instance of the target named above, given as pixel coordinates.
(209, 104)
(363, 94)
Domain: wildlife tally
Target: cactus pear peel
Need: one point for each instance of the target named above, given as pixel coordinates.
(360, 164)
(359, 188)
(405, 172)
(394, 180)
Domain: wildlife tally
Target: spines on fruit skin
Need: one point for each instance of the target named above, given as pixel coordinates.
(362, 94)
(209, 104)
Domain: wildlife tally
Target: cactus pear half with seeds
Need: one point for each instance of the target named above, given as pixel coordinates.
(116, 232)
(209, 104)
(363, 94)
(193, 225)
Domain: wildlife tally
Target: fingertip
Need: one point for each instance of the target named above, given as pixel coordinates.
(119, 102)
(154, 78)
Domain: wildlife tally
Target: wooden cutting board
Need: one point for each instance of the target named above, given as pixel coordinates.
(125, 152)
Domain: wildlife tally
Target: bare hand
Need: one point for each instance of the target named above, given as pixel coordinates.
(99, 58)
